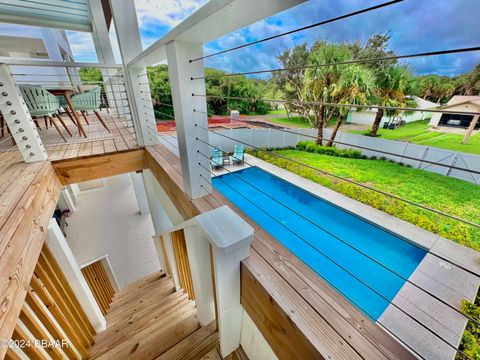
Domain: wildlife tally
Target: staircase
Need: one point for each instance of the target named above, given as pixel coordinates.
(148, 319)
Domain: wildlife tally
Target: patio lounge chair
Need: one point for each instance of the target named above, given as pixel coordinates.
(217, 158)
(238, 154)
(90, 100)
(42, 103)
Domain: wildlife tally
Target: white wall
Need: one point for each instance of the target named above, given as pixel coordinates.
(107, 222)
(253, 342)
(468, 107)
(367, 117)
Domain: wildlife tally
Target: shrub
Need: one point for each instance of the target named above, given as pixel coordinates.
(310, 146)
(470, 343)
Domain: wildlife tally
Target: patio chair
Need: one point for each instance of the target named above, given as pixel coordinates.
(238, 154)
(90, 100)
(42, 103)
(217, 158)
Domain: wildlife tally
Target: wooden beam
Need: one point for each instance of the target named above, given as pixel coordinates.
(168, 175)
(71, 171)
(21, 241)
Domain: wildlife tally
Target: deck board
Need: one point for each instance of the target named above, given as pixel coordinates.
(99, 140)
(338, 316)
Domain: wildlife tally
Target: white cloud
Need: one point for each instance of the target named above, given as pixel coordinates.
(166, 12)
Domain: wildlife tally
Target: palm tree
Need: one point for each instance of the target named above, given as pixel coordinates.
(319, 83)
(355, 86)
(393, 85)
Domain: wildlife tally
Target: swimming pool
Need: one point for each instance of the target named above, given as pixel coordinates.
(364, 281)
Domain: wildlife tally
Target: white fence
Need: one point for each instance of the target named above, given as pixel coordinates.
(425, 154)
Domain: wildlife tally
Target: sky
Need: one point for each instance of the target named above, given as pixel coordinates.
(414, 25)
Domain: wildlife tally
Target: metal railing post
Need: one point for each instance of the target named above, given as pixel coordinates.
(18, 119)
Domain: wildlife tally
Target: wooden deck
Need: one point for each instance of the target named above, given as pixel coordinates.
(99, 141)
(299, 314)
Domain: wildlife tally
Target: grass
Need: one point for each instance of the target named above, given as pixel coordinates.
(296, 121)
(449, 195)
(418, 133)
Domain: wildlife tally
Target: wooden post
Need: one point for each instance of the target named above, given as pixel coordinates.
(470, 129)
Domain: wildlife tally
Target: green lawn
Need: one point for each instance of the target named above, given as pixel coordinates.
(417, 132)
(296, 121)
(440, 192)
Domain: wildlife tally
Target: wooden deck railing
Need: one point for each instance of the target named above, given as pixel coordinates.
(52, 323)
(100, 284)
(183, 263)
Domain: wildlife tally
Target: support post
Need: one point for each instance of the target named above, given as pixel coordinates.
(104, 51)
(18, 119)
(230, 237)
(190, 115)
(139, 187)
(65, 201)
(135, 77)
(67, 262)
(470, 129)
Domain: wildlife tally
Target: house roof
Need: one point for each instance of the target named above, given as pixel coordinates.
(459, 100)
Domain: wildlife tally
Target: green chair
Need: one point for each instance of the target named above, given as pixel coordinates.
(217, 158)
(90, 100)
(42, 103)
(238, 154)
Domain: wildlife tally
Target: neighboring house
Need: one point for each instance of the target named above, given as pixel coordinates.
(457, 103)
(28, 42)
(366, 117)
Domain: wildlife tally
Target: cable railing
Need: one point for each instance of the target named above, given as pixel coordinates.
(105, 115)
(336, 263)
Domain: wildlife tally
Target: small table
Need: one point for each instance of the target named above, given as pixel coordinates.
(66, 93)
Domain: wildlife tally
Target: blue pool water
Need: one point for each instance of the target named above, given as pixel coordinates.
(356, 276)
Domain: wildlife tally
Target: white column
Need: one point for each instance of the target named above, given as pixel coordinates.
(65, 201)
(67, 262)
(139, 187)
(75, 191)
(18, 119)
(136, 82)
(230, 236)
(199, 258)
(161, 223)
(191, 134)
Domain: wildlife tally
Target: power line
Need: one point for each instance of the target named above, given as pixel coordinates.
(348, 62)
(324, 22)
(354, 106)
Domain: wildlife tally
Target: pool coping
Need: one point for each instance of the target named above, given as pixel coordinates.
(435, 274)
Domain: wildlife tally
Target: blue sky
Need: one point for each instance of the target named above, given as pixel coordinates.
(415, 26)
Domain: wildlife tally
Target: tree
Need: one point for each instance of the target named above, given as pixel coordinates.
(355, 86)
(393, 87)
(291, 83)
(319, 82)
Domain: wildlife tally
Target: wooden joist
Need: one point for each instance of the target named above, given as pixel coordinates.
(80, 169)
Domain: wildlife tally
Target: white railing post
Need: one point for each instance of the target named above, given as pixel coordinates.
(18, 119)
(66, 260)
(135, 78)
(190, 115)
(230, 237)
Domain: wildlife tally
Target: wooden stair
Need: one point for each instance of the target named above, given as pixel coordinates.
(146, 319)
